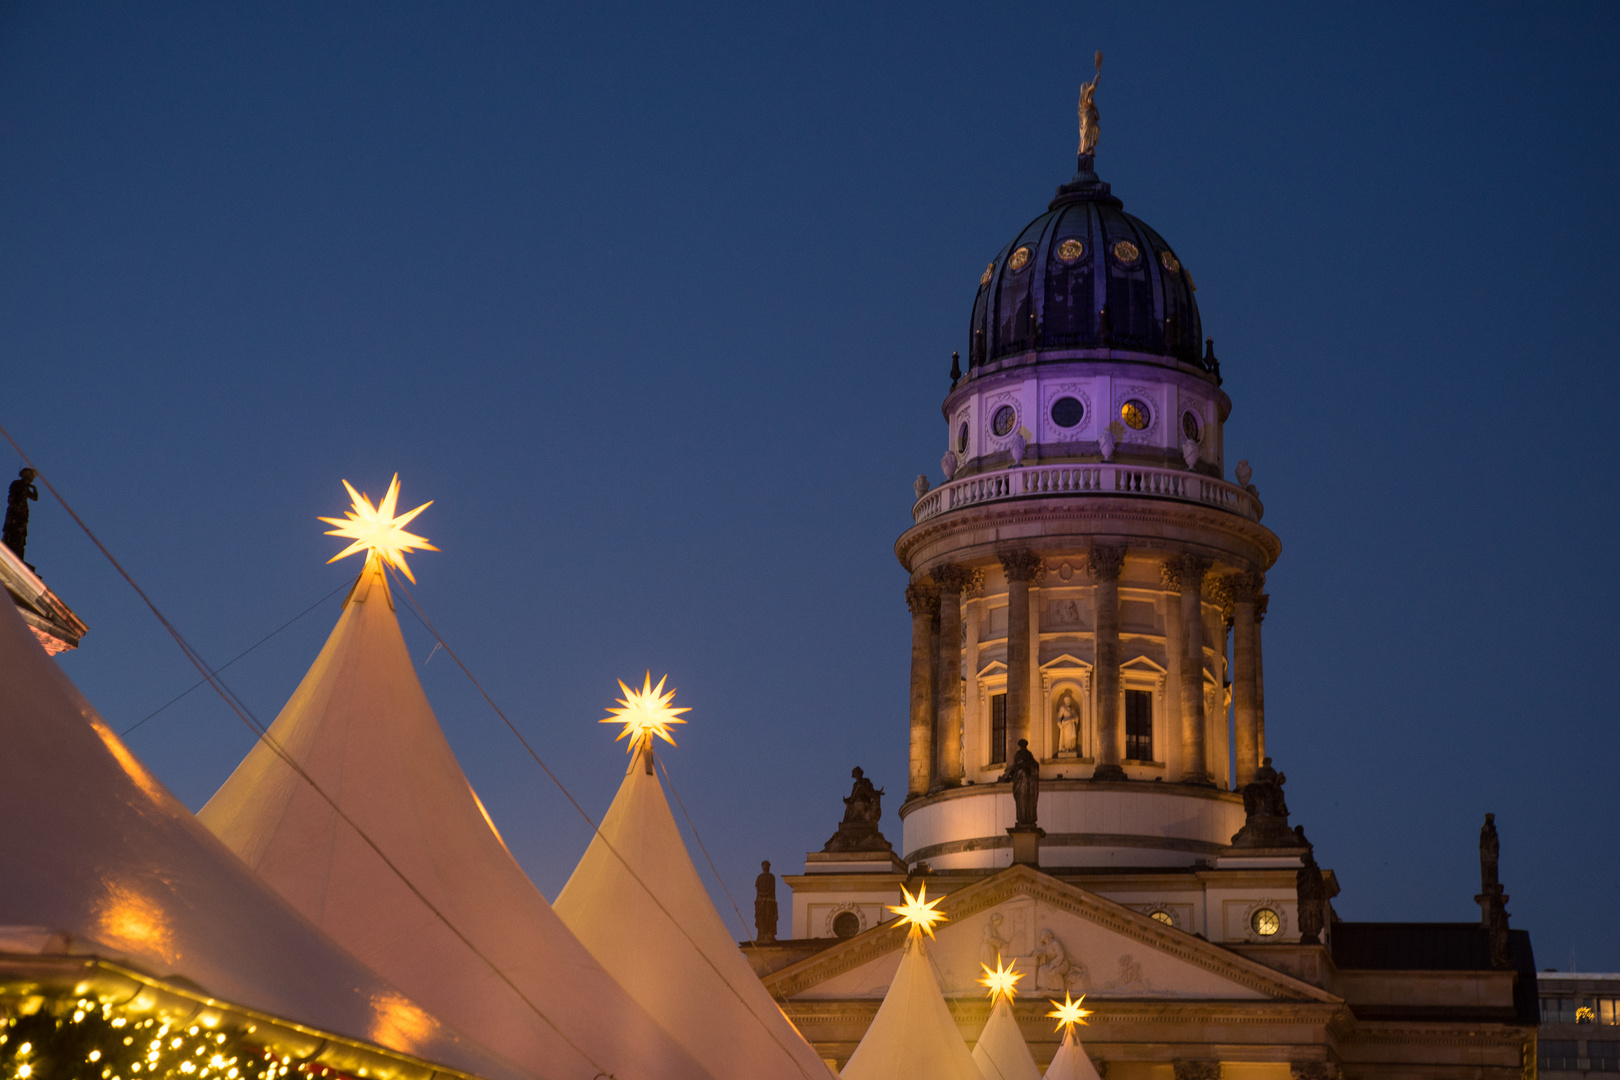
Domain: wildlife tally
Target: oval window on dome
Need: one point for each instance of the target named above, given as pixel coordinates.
(1136, 414)
(1126, 252)
(1190, 426)
(1067, 412)
(1003, 421)
(1169, 262)
(1018, 259)
(961, 439)
(1070, 250)
(1266, 922)
(984, 278)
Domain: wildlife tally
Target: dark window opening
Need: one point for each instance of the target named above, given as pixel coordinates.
(1139, 725)
(1558, 1053)
(998, 729)
(1604, 1056)
(846, 924)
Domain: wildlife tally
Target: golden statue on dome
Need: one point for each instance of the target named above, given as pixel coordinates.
(1090, 124)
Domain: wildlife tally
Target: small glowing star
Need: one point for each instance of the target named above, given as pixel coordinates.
(376, 529)
(918, 911)
(645, 713)
(1003, 980)
(1068, 1012)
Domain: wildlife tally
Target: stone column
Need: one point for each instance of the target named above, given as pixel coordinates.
(1106, 563)
(1020, 566)
(1259, 674)
(923, 600)
(1189, 571)
(1171, 580)
(948, 672)
(1245, 592)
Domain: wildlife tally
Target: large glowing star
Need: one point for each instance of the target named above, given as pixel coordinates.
(1003, 980)
(918, 911)
(1069, 1013)
(645, 713)
(377, 531)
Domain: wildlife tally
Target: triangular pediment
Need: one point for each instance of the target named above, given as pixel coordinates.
(992, 669)
(1066, 662)
(1144, 663)
(1063, 937)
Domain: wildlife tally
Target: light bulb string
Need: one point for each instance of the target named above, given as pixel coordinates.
(245, 714)
(416, 609)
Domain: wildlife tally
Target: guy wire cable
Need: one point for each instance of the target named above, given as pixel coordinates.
(246, 716)
(696, 836)
(451, 653)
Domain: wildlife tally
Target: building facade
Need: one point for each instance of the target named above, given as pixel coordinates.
(1580, 1025)
(1087, 584)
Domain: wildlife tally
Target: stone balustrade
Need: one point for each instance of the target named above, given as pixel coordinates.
(1047, 481)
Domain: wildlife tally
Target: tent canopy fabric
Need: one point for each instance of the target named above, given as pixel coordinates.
(1001, 1052)
(913, 1036)
(1071, 1062)
(675, 955)
(99, 858)
(361, 726)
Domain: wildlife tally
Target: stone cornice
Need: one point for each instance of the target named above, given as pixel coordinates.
(1025, 881)
(1140, 522)
(1132, 787)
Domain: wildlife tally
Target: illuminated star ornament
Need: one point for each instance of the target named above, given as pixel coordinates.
(1068, 1013)
(377, 530)
(645, 713)
(1003, 980)
(918, 911)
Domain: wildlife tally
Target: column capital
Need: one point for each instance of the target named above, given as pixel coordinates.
(1106, 562)
(950, 578)
(1020, 564)
(1219, 591)
(922, 597)
(1184, 571)
(1260, 607)
(1245, 586)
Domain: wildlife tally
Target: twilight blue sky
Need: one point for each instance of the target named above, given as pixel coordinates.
(657, 303)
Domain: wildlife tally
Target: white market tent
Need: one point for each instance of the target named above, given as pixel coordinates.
(111, 882)
(361, 727)
(1071, 1062)
(674, 954)
(1001, 1052)
(913, 1036)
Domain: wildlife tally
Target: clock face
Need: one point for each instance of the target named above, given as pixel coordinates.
(1190, 426)
(1067, 412)
(1003, 421)
(1136, 415)
(1265, 922)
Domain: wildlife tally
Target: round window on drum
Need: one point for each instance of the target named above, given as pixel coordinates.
(1004, 419)
(1067, 412)
(1136, 414)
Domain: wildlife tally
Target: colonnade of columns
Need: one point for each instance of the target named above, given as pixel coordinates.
(937, 759)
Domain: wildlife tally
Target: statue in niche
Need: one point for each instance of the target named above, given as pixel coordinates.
(994, 944)
(765, 904)
(22, 493)
(1054, 970)
(1025, 773)
(1068, 725)
(1090, 122)
(863, 806)
(1311, 892)
(1065, 613)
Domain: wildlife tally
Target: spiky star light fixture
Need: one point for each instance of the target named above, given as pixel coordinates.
(377, 530)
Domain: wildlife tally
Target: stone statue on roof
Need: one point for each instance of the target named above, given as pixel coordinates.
(1090, 123)
(22, 492)
(765, 904)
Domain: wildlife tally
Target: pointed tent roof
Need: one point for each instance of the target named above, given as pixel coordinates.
(100, 859)
(1001, 1052)
(913, 1036)
(689, 974)
(361, 726)
(1071, 1062)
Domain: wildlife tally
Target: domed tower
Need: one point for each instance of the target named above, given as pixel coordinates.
(1075, 577)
